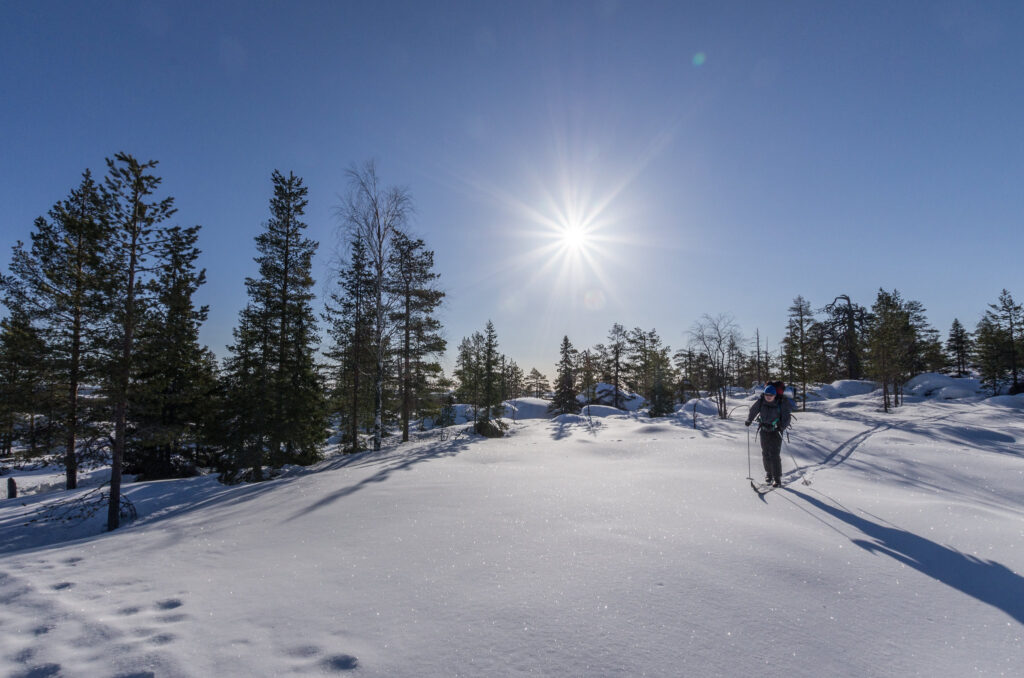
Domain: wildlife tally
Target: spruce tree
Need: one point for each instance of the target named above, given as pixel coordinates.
(350, 324)
(246, 397)
(490, 376)
(25, 383)
(991, 354)
(662, 401)
(799, 346)
(175, 379)
(277, 338)
(565, 401)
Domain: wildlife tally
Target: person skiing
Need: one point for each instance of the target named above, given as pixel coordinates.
(774, 412)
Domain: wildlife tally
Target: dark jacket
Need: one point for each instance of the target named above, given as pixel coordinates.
(775, 416)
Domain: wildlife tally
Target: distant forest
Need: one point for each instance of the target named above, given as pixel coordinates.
(100, 357)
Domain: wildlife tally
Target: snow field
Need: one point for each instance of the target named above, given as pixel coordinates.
(622, 547)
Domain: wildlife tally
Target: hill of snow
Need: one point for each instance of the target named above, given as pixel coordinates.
(610, 545)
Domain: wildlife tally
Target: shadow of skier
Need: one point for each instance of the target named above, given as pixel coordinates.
(985, 580)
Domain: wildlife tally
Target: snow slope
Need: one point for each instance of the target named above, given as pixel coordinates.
(611, 546)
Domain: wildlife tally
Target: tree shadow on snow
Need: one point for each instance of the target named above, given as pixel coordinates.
(985, 580)
(389, 464)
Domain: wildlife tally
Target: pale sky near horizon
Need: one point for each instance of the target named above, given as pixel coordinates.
(714, 157)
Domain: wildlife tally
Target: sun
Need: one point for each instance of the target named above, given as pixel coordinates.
(573, 237)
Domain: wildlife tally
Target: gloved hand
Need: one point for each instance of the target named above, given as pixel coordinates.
(746, 423)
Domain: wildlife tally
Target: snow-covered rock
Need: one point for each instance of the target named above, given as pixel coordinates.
(527, 408)
(942, 387)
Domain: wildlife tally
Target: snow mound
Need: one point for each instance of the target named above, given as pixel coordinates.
(844, 388)
(527, 408)
(705, 406)
(601, 410)
(942, 387)
(1014, 401)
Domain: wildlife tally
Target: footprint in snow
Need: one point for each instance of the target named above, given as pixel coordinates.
(169, 604)
(340, 662)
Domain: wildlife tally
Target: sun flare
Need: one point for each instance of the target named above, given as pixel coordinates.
(574, 237)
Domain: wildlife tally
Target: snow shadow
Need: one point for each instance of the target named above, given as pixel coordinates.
(563, 426)
(34, 525)
(390, 463)
(985, 580)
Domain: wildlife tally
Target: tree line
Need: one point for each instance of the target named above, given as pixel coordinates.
(100, 356)
(890, 343)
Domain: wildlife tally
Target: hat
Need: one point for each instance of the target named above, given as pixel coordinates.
(769, 390)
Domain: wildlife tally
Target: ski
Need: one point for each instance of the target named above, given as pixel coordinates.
(762, 488)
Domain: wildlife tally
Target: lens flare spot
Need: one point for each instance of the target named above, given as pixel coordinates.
(593, 300)
(699, 58)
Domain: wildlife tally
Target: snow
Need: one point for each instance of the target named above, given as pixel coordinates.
(942, 386)
(527, 408)
(843, 388)
(613, 545)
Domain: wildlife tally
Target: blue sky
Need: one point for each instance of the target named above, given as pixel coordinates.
(719, 157)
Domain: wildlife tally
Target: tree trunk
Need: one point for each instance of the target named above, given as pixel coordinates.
(70, 459)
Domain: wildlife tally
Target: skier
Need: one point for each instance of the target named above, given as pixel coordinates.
(775, 416)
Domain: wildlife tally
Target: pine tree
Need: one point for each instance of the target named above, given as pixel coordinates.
(135, 217)
(1009, 317)
(889, 339)
(617, 344)
(537, 383)
(514, 381)
(959, 346)
(588, 375)
(848, 324)
(469, 372)
(565, 401)
(412, 271)
(60, 283)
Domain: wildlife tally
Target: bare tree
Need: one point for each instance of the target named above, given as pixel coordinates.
(375, 215)
(712, 337)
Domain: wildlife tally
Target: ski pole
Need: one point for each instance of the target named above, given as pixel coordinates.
(748, 455)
